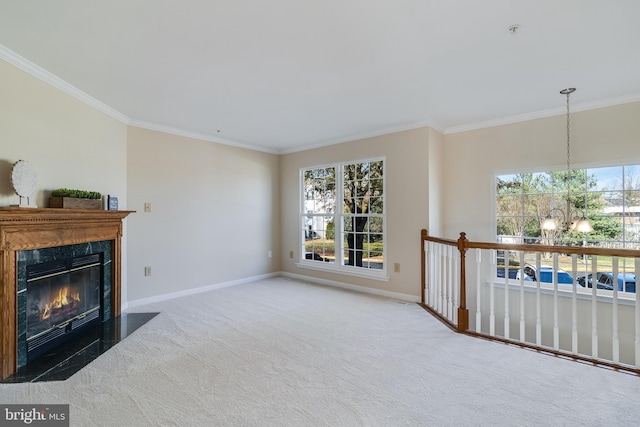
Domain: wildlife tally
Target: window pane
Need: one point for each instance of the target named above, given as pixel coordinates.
(348, 223)
(537, 204)
(632, 177)
(613, 201)
(319, 190)
(375, 224)
(376, 187)
(319, 244)
(508, 184)
(377, 205)
(632, 200)
(509, 205)
(606, 178)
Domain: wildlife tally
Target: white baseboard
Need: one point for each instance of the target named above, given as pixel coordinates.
(365, 289)
(173, 295)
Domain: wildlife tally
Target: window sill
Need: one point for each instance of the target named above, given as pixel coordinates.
(331, 268)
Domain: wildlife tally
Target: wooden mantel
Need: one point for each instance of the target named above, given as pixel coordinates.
(31, 228)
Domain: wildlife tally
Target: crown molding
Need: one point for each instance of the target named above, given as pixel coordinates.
(196, 135)
(379, 132)
(584, 106)
(40, 73)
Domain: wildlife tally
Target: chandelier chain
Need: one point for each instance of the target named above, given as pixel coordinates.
(568, 138)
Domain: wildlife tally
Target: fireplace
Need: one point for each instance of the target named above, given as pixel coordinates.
(62, 290)
(63, 297)
(38, 237)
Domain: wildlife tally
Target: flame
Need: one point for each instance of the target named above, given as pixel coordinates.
(64, 297)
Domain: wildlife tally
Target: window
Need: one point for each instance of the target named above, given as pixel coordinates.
(608, 196)
(342, 217)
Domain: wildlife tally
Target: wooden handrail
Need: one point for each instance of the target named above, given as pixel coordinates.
(578, 250)
(463, 244)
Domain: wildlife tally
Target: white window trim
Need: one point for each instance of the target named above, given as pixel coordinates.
(335, 267)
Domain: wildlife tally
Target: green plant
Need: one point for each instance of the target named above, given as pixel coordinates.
(78, 194)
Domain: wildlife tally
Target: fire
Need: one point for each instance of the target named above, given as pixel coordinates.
(65, 297)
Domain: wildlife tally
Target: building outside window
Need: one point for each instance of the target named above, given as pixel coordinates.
(342, 217)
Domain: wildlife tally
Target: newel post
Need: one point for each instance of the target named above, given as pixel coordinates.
(463, 311)
(423, 238)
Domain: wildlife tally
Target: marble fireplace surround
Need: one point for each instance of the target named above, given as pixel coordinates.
(30, 228)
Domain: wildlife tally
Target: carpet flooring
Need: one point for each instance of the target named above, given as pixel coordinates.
(281, 352)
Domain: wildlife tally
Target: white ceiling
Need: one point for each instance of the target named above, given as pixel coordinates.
(285, 75)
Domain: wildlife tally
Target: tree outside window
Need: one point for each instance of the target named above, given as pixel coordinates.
(352, 236)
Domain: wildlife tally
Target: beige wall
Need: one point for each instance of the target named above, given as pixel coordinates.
(407, 199)
(69, 143)
(214, 217)
(436, 183)
(600, 137)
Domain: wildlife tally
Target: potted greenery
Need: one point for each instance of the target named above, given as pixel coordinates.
(75, 199)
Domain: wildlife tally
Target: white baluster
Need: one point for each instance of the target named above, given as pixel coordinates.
(427, 275)
(574, 305)
(425, 247)
(556, 329)
(615, 341)
(433, 284)
(478, 291)
(438, 275)
(594, 308)
(492, 297)
(522, 318)
(443, 281)
(455, 283)
(637, 311)
(538, 304)
(507, 333)
(450, 281)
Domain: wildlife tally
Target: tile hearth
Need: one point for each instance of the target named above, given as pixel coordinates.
(61, 363)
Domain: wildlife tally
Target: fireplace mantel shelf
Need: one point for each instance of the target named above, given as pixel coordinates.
(34, 228)
(12, 215)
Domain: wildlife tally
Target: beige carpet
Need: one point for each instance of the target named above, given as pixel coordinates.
(281, 352)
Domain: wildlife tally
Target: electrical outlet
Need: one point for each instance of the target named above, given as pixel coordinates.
(147, 271)
(291, 254)
(396, 267)
(147, 207)
(269, 254)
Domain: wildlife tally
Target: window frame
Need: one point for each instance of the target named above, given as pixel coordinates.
(338, 216)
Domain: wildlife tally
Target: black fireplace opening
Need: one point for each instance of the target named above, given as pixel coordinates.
(64, 297)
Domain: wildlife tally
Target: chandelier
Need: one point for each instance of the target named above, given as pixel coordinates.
(571, 220)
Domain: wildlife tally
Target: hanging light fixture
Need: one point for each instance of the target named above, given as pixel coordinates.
(571, 221)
